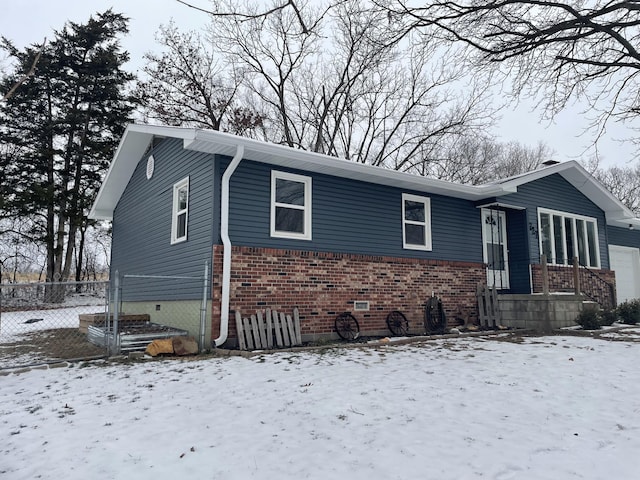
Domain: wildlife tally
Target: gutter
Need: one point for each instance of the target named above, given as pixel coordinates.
(226, 242)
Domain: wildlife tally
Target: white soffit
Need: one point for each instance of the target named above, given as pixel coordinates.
(137, 139)
(574, 173)
(283, 156)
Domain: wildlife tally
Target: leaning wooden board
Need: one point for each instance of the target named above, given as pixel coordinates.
(267, 329)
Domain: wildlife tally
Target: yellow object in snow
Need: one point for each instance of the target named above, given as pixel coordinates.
(157, 347)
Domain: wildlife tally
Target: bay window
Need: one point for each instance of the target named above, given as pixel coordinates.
(565, 235)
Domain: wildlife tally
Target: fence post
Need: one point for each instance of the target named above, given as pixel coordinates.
(576, 275)
(107, 317)
(545, 274)
(116, 312)
(203, 307)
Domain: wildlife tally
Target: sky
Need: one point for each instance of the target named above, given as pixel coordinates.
(501, 407)
(29, 21)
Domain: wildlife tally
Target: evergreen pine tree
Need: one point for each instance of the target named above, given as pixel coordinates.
(62, 126)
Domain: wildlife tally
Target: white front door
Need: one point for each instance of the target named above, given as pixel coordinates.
(625, 261)
(494, 248)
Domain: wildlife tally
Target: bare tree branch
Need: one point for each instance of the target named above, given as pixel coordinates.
(26, 76)
(556, 51)
(261, 15)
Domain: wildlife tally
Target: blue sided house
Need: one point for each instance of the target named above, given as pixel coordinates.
(283, 228)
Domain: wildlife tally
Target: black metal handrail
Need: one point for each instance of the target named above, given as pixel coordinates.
(596, 288)
(573, 276)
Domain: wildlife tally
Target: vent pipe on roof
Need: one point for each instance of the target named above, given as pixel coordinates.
(226, 242)
(549, 163)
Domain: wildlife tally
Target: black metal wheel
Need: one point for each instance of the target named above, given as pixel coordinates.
(435, 321)
(347, 326)
(398, 323)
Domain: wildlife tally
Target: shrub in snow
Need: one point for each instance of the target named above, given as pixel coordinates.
(629, 311)
(608, 316)
(589, 319)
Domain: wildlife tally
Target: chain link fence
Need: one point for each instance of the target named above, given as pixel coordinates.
(151, 307)
(56, 321)
(40, 322)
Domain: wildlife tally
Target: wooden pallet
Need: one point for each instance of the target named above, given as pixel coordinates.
(488, 310)
(268, 329)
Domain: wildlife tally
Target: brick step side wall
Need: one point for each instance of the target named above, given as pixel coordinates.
(561, 278)
(323, 284)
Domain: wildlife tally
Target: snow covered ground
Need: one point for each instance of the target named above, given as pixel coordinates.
(557, 407)
(26, 337)
(15, 324)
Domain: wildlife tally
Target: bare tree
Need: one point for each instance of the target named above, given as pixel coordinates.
(623, 182)
(95, 262)
(344, 80)
(272, 50)
(188, 85)
(20, 251)
(254, 14)
(557, 51)
(476, 160)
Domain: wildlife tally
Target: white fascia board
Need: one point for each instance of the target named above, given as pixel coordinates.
(528, 177)
(624, 222)
(134, 142)
(100, 214)
(583, 181)
(137, 137)
(124, 162)
(284, 156)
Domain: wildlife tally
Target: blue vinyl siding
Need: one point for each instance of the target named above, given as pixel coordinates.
(351, 217)
(555, 193)
(623, 237)
(518, 246)
(142, 225)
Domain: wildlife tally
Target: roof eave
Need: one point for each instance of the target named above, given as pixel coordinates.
(137, 138)
(274, 154)
(134, 142)
(624, 222)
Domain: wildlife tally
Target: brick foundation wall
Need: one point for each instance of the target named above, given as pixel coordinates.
(322, 285)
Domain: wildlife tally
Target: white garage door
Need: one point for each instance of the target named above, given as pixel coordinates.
(626, 263)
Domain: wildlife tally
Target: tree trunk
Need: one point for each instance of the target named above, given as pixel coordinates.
(80, 257)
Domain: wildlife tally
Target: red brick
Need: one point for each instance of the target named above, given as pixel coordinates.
(322, 284)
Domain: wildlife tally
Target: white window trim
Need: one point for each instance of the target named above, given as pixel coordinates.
(426, 224)
(175, 212)
(306, 235)
(574, 217)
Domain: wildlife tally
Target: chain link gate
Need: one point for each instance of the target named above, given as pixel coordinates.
(50, 322)
(144, 308)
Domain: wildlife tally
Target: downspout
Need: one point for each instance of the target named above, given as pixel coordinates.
(226, 243)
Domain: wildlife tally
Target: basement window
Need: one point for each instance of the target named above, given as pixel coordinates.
(361, 306)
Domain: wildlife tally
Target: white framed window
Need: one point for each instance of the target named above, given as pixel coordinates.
(416, 222)
(180, 214)
(290, 205)
(564, 236)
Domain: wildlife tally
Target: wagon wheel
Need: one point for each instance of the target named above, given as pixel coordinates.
(398, 323)
(435, 321)
(347, 326)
